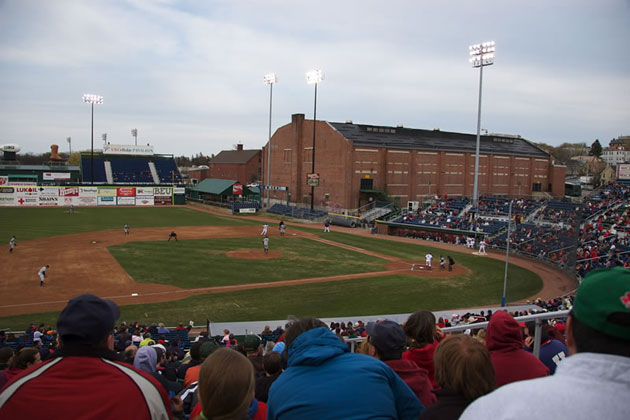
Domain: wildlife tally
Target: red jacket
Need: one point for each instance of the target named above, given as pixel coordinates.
(79, 387)
(417, 379)
(505, 343)
(423, 358)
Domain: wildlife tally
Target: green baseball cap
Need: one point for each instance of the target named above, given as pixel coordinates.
(603, 301)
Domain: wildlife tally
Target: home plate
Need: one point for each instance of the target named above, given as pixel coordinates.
(134, 294)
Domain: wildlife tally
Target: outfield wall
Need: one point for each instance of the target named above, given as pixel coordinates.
(45, 196)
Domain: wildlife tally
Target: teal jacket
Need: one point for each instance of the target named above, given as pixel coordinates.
(324, 380)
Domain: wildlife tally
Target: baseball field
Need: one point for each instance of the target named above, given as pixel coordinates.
(217, 269)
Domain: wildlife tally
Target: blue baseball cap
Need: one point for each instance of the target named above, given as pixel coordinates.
(87, 319)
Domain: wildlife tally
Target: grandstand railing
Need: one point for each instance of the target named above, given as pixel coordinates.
(538, 318)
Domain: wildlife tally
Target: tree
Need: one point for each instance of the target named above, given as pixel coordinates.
(596, 149)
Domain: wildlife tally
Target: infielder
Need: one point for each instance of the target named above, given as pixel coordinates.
(482, 247)
(42, 275)
(12, 243)
(266, 244)
(264, 230)
(172, 235)
(126, 229)
(327, 226)
(427, 260)
(282, 228)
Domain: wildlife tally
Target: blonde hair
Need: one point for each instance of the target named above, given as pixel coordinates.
(226, 385)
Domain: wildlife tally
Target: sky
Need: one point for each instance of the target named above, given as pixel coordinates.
(188, 74)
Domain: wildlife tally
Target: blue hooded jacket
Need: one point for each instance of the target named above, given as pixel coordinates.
(324, 380)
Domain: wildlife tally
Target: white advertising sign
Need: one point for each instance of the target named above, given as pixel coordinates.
(56, 176)
(106, 201)
(27, 200)
(179, 190)
(107, 192)
(45, 200)
(623, 171)
(88, 201)
(126, 201)
(163, 191)
(145, 200)
(144, 191)
(88, 192)
(4, 180)
(122, 149)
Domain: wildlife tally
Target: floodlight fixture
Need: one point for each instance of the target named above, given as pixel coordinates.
(314, 76)
(482, 54)
(90, 98)
(270, 79)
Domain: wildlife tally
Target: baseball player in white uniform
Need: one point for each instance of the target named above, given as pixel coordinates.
(266, 244)
(12, 244)
(264, 230)
(427, 260)
(126, 229)
(42, 274)
(482, 247)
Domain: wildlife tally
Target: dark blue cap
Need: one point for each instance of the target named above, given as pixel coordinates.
(87, 319)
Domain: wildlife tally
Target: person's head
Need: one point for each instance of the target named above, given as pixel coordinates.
(463, 365)
(226, 385)
(88, 320)
(146, 359)
(420, 328)
(251, 343)
(272, 363)
(130, 352)
(226, 332)
(600, 319)
(6, 354)
(207, 348)
(25, 358)
(195, 351)
(299, 326)
(386, 340)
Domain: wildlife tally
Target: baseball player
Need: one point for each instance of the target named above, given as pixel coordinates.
(327, 226)
(427, 260)
(172, 235)
(12, 243)
(126, 229)
(266, 244)
(442, 262)
(264, 230)
(482, 247)
(42, 274)
(282, 228)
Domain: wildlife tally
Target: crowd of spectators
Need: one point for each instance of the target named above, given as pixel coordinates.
(409, 371)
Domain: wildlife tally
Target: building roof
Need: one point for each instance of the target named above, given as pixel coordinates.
(213, 186)
(410, 138)
(234, 156)
(46, 168)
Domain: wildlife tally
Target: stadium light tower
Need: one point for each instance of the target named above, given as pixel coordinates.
(481, 55)
(69, 140)
(314, 77)
(92, 99)
(134, 133)
(269, 79)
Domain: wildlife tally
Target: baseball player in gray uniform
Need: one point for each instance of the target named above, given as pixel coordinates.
(42, 274)
(12, 243)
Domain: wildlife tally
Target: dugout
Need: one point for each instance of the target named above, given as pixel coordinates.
(430, 232)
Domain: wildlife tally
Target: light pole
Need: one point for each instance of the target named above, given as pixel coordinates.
(314, 77)
(480, 55)
(507, 255)
(92, 99)
(104, 138)
(69, 140)
(269, 79)
(134, 133)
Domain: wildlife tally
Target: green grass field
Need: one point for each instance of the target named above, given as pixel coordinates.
(199, 263)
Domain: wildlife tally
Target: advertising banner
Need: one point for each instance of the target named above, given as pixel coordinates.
(163, 191)
(49, 200)
(69, 201)
(27, 200)
(56, 176)
(68, 191)
(107, 192)
(7, 196)
(4, 180)
(144, 191)
(623, 171)
(88, 200)
(126, 192)
(181, 190)
(48, 192)
(123, 149)
(146, 200)
(162, 201)
(126, 201)
(106, 201)
(237, 189)
(88, 192)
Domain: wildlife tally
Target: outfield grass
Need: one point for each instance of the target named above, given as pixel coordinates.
(203, 262)
(31, 223)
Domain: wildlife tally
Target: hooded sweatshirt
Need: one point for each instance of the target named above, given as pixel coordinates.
(423, 357)
(416, 378)
(146, 359)
(505, 343)
(320, 373)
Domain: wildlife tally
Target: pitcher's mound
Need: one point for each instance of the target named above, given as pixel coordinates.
(253, 254)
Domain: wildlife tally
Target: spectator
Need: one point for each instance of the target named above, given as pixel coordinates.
(272, 363)
(130, 354)
(505, 343)
(421, 330)
(148, 359)
(162, 329)
(593, 381)
(71, 385)
(552, 351)
(147, 341)
(386, 341)
(464, 372)
(6, 354)
(254, 353)
(192, 373)
(321, 370)
(228, 396)
(195, 360)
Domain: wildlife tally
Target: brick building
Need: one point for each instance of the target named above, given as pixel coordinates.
(239, 164)
(358, 163)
